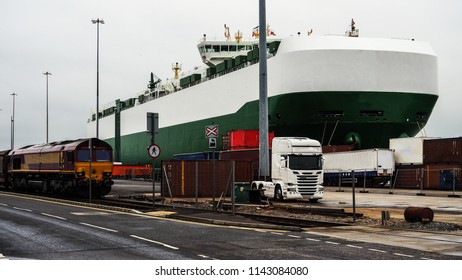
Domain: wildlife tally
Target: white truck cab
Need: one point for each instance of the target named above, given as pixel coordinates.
(296, 170)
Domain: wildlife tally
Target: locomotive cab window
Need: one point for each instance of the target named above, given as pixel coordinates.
(83, 155)
(103, 155)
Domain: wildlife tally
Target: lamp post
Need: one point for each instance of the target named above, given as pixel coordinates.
(12, 121)
(47, 74)
(97, 22)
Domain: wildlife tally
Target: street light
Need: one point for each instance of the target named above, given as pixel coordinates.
(47, 74)
(97, 22)
(12, 122)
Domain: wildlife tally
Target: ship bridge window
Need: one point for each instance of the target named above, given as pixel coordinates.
(208, 48)
(216, 48)
(224, 48)
(241, 48)
(331, 114)
(232, 48)
(371, 113)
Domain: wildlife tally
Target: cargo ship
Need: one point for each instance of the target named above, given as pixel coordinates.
(338, 89)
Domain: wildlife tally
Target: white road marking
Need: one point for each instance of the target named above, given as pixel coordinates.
(155, 242)
(330, 242)
(294, 236)
(311, 239)
(3, 204)
(204, 256)
(403, 255)
(353, 246)
(376, 250)
(53, 216)
(276, 233)
(98, 227)
(22, 209)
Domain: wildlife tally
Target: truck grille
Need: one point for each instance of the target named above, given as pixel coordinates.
(307, 182)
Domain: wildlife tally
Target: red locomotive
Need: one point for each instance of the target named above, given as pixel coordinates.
(59, 167)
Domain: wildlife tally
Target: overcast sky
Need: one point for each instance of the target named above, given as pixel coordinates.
(143, 36)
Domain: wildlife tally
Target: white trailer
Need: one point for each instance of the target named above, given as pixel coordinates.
(296, 170)
(372, 167)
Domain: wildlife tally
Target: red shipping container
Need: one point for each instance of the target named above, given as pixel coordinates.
(244, 139)
(448, 150)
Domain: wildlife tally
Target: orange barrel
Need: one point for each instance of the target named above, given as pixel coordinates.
(418, 214)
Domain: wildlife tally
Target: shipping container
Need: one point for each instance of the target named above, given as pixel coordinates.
(229, 63)
(196, 156)
(195, 77)
(240, 59)
(409, 150)
(252, 155)
(442, 176)
(211, 71)
(447, 150)
(408, 176)
(131, 171)
(185, 81)
(429, 177)
(244, 139)
(181, 177)
(221, 67)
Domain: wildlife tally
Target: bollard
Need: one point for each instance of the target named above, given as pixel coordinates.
(385, 217)
(418, 214)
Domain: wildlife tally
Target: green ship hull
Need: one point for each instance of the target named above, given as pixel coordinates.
(333, 118)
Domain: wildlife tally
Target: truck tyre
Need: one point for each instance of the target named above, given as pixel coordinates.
(278, 193)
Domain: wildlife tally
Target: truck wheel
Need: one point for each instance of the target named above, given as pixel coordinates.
(278, 194)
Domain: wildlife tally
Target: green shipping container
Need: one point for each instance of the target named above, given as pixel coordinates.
(195, 77)
(221, 67)
(211, 71)
(240, 59)
(185, 81)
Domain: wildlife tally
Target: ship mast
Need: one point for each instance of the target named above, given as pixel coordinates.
(353, 31)
(176, 68)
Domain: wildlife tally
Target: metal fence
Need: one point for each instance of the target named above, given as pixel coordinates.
(429, 178)
(203, 178)
(444, 178)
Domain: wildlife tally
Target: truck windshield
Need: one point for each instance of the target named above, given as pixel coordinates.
(305, 162)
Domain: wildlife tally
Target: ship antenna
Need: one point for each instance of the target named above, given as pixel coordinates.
(256, 32)
(238, 36)
(353, 32)
(227, 34)
(176, 68)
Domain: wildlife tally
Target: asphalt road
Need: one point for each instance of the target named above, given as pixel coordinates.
(37, 229)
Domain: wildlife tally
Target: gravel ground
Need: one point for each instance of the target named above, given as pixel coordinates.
(367, 219)
(364, 220)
